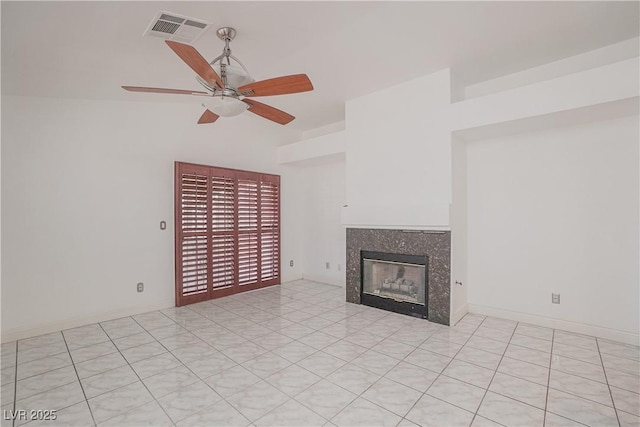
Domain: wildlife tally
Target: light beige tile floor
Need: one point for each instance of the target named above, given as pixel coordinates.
(299, 355)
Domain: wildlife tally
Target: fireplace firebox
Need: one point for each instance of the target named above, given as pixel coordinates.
(395, 282)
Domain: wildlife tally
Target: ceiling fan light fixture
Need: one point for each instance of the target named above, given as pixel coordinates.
(226, 106)
(230, 88)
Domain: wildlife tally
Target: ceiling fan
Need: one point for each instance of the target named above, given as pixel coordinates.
(229, 86)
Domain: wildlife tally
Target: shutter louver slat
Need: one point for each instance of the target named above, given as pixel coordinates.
(247, 231)
(194, 244)
(270, 230)
(223, 193)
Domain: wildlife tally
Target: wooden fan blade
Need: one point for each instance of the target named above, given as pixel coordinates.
(279, 86)
(163, 90)
(208, 117)
(193, 59)
(268, 112)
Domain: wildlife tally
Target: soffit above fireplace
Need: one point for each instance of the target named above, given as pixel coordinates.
(399, 215)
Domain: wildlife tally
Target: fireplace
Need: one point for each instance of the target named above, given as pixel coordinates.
(394, 282)
(435, 245)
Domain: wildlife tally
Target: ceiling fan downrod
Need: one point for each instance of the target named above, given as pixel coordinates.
(227, 34)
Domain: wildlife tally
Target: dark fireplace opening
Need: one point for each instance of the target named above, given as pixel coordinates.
(395, 282)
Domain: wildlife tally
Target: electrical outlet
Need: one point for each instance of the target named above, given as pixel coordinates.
(291, 263)
(327, 265)
(555, 298)
(140, 287)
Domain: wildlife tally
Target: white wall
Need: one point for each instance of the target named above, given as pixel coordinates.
(557, 211)
(84, 187)
(585, 61)
(459, 231)
(605, 84)
(398, 155)
(328, 145)
(324, 237)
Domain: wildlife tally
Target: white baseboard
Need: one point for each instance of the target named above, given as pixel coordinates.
(290, 278)
(325, 279)
(565, 325)
(459, 314)
(35, 330)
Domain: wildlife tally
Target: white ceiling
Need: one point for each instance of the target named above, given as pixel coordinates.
(89, 49)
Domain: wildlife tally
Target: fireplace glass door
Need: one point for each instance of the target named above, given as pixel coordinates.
(394, 282)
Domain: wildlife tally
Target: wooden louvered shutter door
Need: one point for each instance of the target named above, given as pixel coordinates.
(193, 270)
(227, 231)
(248, 205)
(223, 231)
(270, 229)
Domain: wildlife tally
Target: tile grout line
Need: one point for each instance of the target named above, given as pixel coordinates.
(296, 364)
(78, 376)
(183, 364)
(188, 368)
(45, 391)
(295, 400)
(59, 386)
(613, 402)
(389, 379)
(81, 347)
(198, 313)
(118, 350)
(43, 372)
(580, 397)
(546, 398)
(579, 376)
(338, 385)
(139, 379)
(494, 373)
(484, 367)
(525, 361)
(463, 381)
(90, 359)
(275, 316)
(561, 355)
(424, 393)
(326, 376)
(197, 376)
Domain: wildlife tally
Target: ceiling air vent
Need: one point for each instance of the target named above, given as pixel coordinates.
(171, 26)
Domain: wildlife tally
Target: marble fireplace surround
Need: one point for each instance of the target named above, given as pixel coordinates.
(435, 244)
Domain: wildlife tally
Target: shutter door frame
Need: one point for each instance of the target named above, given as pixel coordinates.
(248, 234)
(213, 177)
(273, 180)
(217, 292)
(181, 299)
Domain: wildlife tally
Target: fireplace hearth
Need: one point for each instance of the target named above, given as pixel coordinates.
(394, 282)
